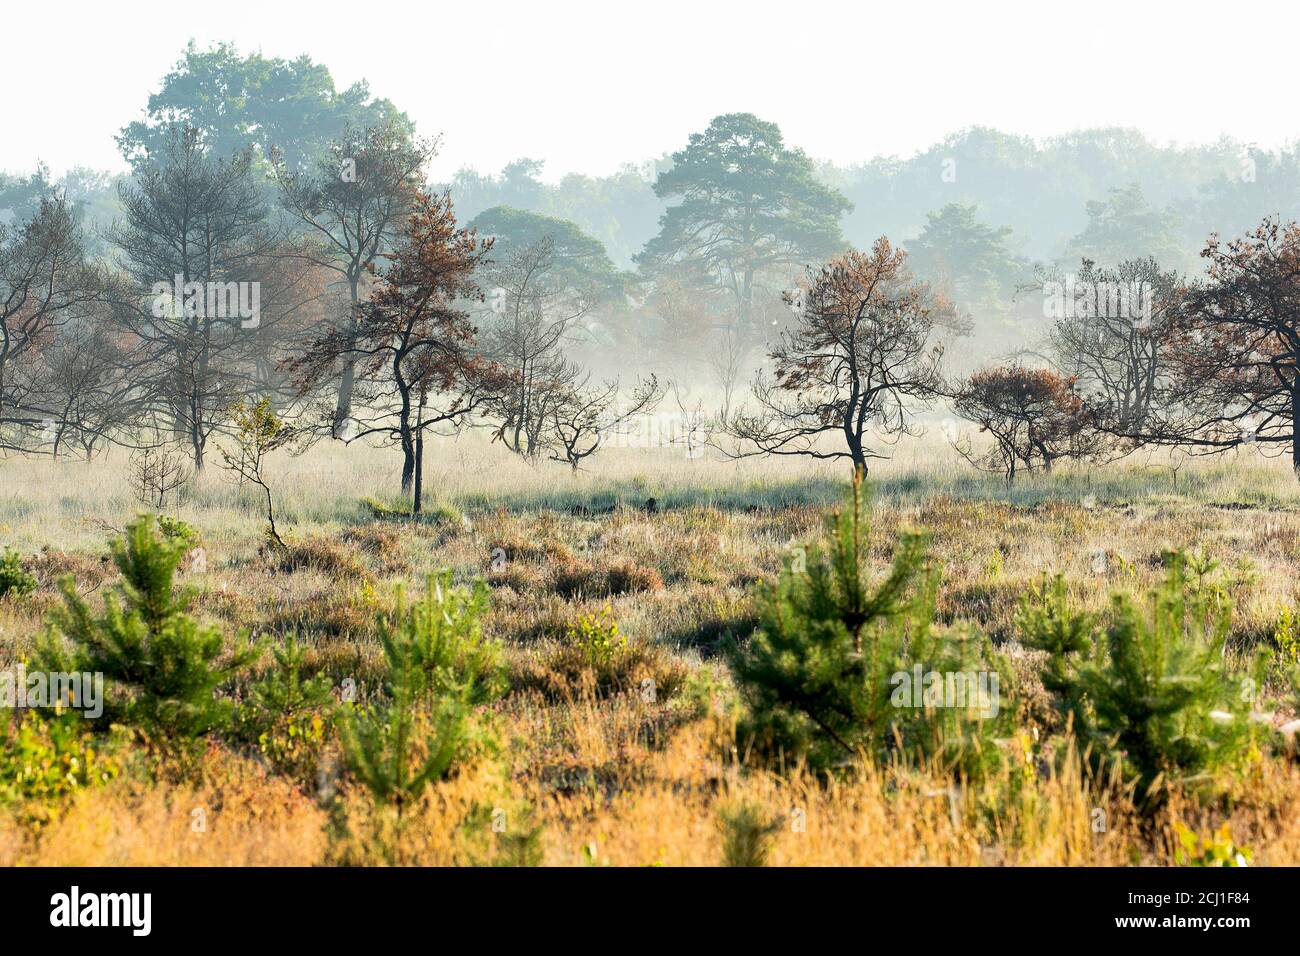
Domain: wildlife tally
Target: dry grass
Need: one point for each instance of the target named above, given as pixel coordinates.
(609, 775)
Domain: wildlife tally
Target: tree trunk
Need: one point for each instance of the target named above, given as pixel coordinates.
(419, 471)
(408, 462)
(747, 302)
(1295, 429)
(859, 460)
(343, 407)
(347, 380)
(404, 430)
(418, 501)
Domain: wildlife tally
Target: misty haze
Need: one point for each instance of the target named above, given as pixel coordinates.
(650, 437)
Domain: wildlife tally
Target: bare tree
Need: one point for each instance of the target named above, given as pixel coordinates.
(584, 416)
(725, 358)
(80, 381)
(534, 313)
(158, 474)
(45, 283)
(192, 235)
(1110, 333)
(698, 426)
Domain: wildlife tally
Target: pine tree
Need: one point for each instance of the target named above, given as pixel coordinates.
(818, 671)
(439, 668)
(1047, 621)
(283, 692)
(1154, 695)
(441, 640)
(288, 715)
(1162, 694)
(162, 668)
(747, 833)
(14, 579)
(380, 745)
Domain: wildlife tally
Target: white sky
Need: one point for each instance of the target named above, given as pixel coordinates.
(587, 86)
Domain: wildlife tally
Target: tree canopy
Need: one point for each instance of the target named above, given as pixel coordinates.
(744, 203)
(237, 101)
(576, 259)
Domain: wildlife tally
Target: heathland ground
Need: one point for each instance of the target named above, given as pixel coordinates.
(587, 766)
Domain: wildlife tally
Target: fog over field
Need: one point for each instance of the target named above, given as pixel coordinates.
(676, 435)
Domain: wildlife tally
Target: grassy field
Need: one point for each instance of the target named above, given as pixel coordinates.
(578, 767)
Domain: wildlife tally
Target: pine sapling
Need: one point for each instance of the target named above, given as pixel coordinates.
(162, 668)
(439, 668)
(1161, 696)
(815, 673)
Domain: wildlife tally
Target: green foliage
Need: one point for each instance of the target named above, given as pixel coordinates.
(595, 658)
(258, 431)
(434, 513)
(236, 100)
(976, 258)
(1216, 850)
(162, 668)
(520, 843)
(283, 691)
(288, 714)
(177, 530)
(441, 640)
(1047, 621)
(817, 674)
(395, 751)
(45, 760)
(598, 639)
(747, 834)
(439, 667)
(14, 579)
(580, 263)
(1126, 225)
(1156, 696)
(1286, 642)
(742, 201)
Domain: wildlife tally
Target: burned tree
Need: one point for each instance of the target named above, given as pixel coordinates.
(192, 237)
(417, 364)
(1235, 349)
(1110, 334)
(535, 310)
(352, 204)
(45, 284)
(584, 415)
(1034, 417)
(79, 380)
(863, 353)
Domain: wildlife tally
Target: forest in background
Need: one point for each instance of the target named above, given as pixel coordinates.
(978, 211)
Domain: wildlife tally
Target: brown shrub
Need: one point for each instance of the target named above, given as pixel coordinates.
(588, 579)
(322, 554)
(326, 614)
(594, 658)
(518, 577)
(516, 549)
(562, 671)
(381, 544)
(89, 571)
